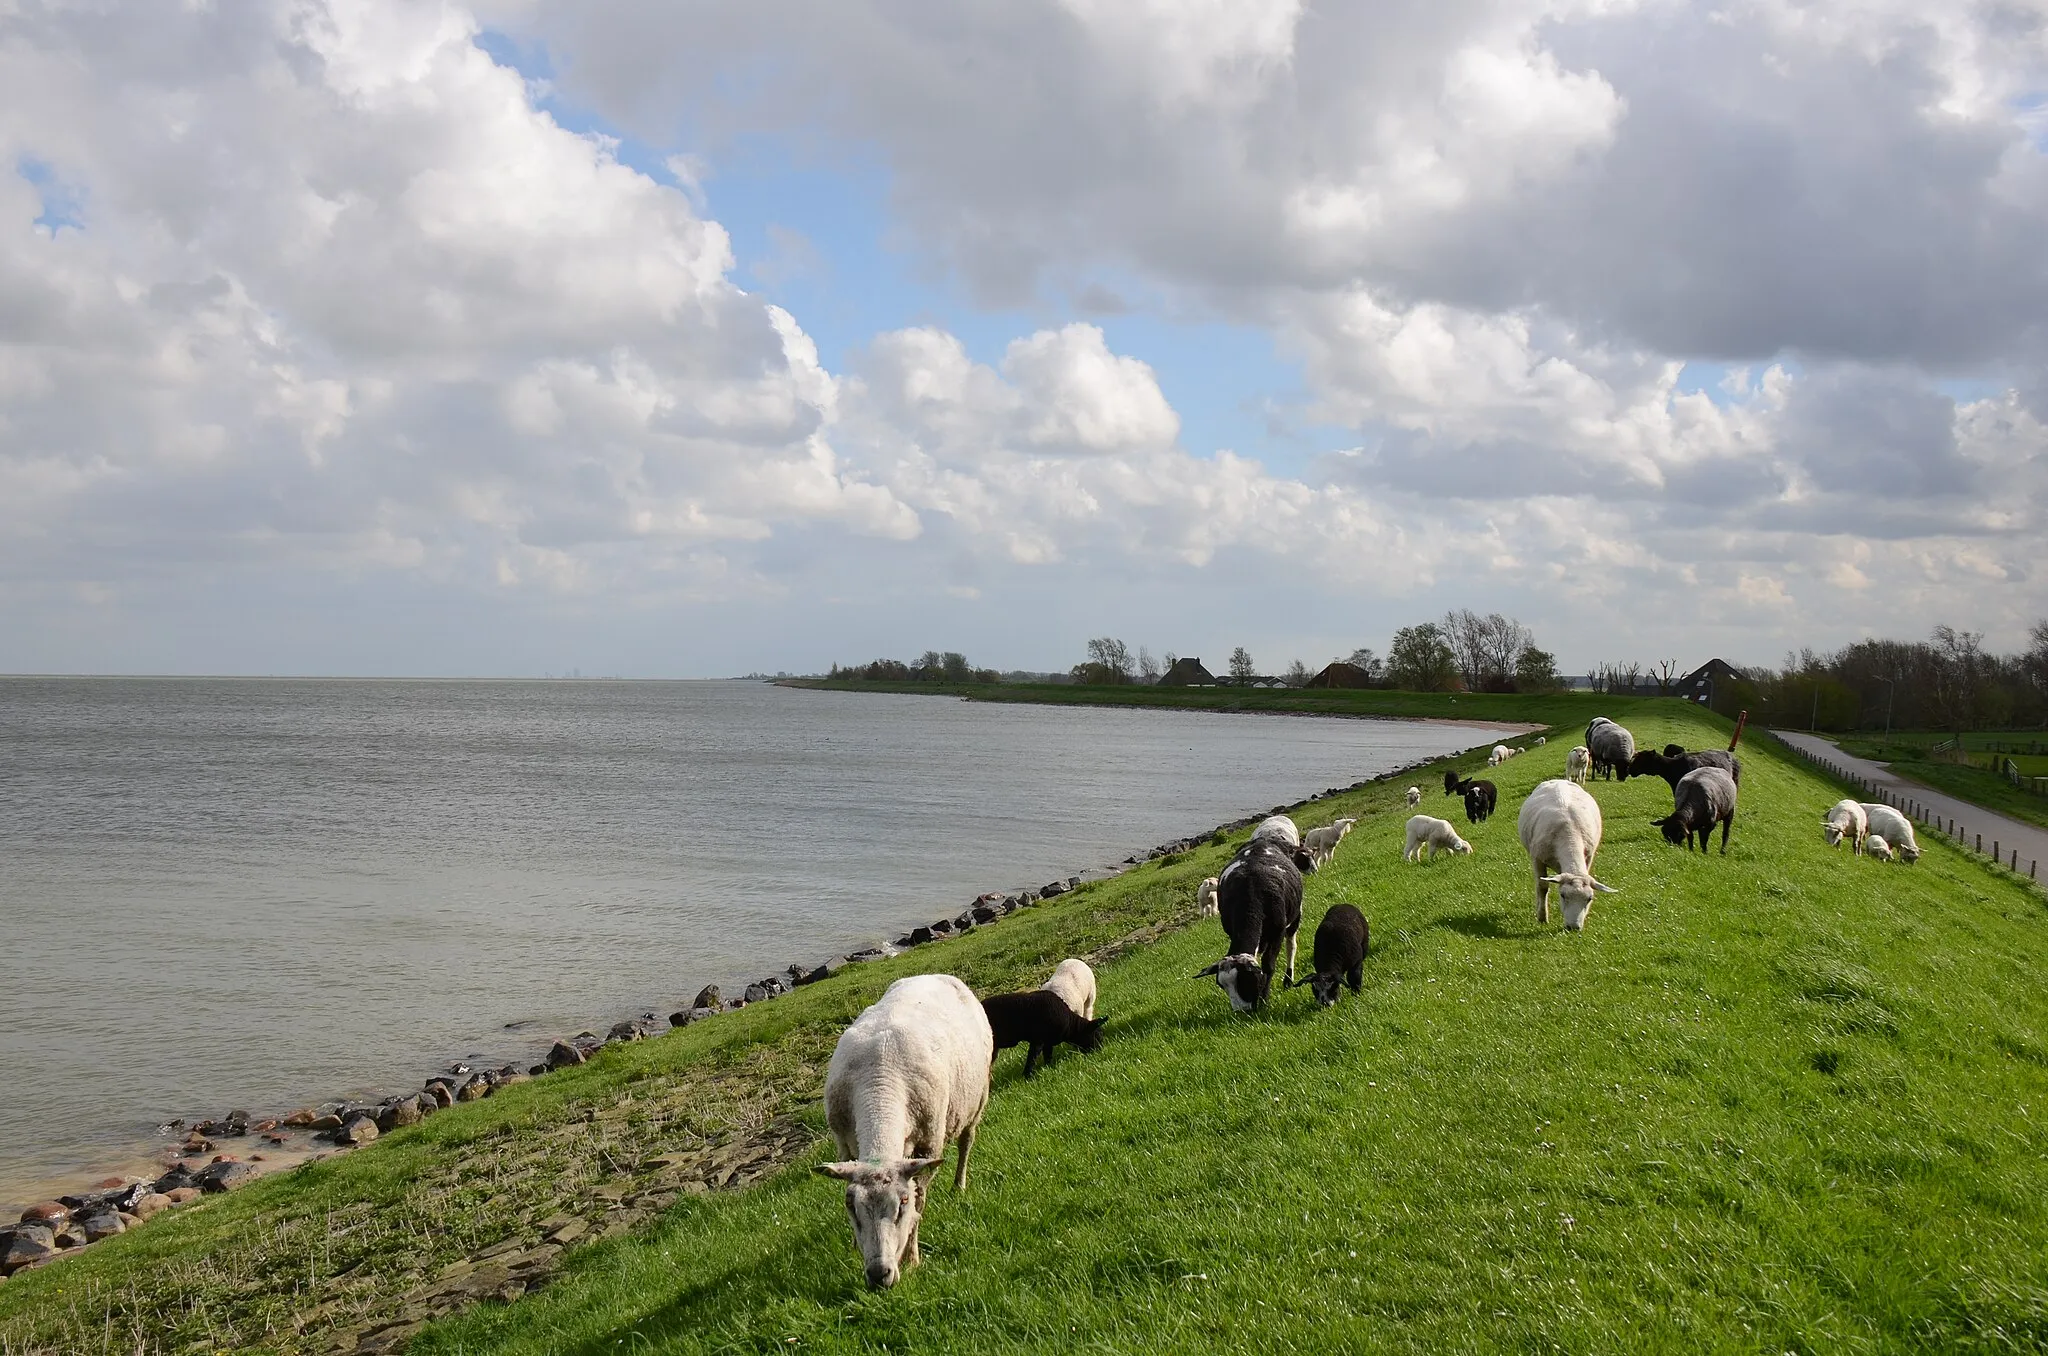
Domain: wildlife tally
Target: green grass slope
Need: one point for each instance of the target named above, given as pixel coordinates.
(1786, 1100)
(1907, 755)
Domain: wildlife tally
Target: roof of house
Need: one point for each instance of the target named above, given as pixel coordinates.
(1187, 672)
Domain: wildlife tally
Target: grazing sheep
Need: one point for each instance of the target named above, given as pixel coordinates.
(1703, 798)
(1673, 766)
(1577, 764)
(1041, 1019)
(1845, 819)
(1205, 898)
(1427, 831)
(1612, 746)
(1343, 939)
(1322, 843)
(1541, 740)
(1259, 902)
(908, 1075)
(1414, 796)
(1501, 753)
(1280, 827)
(1896, 828)
(1480, 797)
(1875, 846)
(1075, 982)
(1560, 828)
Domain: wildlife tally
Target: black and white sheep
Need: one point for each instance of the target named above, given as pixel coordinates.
(1612, 746)
(1480, 797)
(1258, 899)
(1040, 1019)
(1343, 940)
(1702, 798)
(1674, 762)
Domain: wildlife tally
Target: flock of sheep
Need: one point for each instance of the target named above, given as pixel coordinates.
(912, 1072)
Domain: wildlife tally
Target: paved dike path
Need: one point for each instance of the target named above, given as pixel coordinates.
(1969, 819)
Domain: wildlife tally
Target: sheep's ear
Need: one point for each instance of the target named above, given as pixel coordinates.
(1550, 880)
(912, 1168)
(845, 1172)
(1097, 1023)
(1204, 974)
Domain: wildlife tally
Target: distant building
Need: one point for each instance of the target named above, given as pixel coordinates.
(1340, 674)
(1187, 673)
(1699, 685)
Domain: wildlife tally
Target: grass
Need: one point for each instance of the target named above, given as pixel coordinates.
(1785, 1100)
(1907, 754)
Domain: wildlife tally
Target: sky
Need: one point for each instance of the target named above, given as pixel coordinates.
(531, 336)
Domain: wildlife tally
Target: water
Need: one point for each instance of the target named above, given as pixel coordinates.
(262, 893)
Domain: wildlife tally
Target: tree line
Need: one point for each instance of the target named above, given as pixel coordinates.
(1947, 682)
(935, 666)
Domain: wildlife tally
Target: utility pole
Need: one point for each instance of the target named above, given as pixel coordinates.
(1891, 689)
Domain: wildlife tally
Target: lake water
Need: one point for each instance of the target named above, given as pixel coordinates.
(261, 893)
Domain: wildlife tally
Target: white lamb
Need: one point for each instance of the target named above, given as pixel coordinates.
(1845, 819)
(1074, 982)
(1280, 827)
(908, 1075)
(1560, 829)
(1541, 740)
(1205, 897)
(1432, 833)
(1875, 846)
(1501, 753)
(1322, 842)
(1896, 828)
(1414, 796)
(1578, 764)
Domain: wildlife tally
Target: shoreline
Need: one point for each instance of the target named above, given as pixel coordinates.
(268, 1143)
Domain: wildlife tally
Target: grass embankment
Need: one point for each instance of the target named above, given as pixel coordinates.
(1783, 1100)
(1907, 753)
(1560, 708)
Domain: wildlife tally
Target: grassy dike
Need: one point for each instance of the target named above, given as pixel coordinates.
(1786, 1100)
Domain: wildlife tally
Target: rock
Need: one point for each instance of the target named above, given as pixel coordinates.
(232, 1125)
(1073, 882)
(562, 1054)
(917, 937)
(761, 990)
(623, 1031)
(300, 1119)
(565, 1232)
(327, 1124)
(71, 1236)
(707, 997)
(51, 1213)
(25, 1245)
(825, 971)
(183, 1195)
(683, 1018)
(151, 1204)
(537, 1070)
(1058, 887)
(196, 1144)
(866, 954)
(983, 913)
(356, 1130)
(506, 1080)
(103, 1225)
(475, 1090)
(398, 1115)
(943, 928)
(178, 1177)
(229, 1173)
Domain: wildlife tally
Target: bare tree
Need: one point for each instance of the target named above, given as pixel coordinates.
(1148, 667)
(1663, 675)
(1958, 675)
(1297, 674)
(1367, 662)
(1485, 648)
(1629, 676)
(1241, 670)
(1109, 661)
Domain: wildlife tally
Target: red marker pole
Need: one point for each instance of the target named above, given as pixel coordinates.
(1740, 721)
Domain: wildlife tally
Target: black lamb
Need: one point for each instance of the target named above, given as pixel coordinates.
(1343, 939)
(1703, 798)
(1042, 1019)
(1480, 797)
(1258, 900)
(1675, 762)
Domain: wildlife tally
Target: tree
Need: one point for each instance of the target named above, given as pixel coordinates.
(1485, 648)
(1241, 670)
(1420, 659)
(1297, 674)
(931, 667)
(1958, 675)
(1108, 662)
(1536, 671)
(1367, 662)
(1663, 674)
(1148, 667)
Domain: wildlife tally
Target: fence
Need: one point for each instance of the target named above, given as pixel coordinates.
(1993, 759)
(1959, 834)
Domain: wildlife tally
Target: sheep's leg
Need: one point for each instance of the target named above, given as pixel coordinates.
(1542, 898)
(1727, 826)
(966, 1148)
(1031, 1058)
(1293, 940)
(911, 1257)
(1356, 979)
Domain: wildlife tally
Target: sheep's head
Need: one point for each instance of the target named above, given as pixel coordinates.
(1646, 763)
(1089, 1038)
(885, 1199)
(1325, 987)
(1833, 832)
(1465, 848)
(1674, 832)
(1243, 982)
(1575, 896)
(1908, 852)
(1450, 783)
(1875, 846)
(1343, 826)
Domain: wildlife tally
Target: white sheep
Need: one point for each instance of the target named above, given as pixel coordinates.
(1896, 828)
(1280, 827)
(1578, 764)
(1074, 982)
(1541, 740)
(1560, 829)
(1414, 796)
(1875, 846)
(1501, 753)
(1205, 898)
(910, 1074)
(1845, 819)
(1322, 842)
(1433, 833)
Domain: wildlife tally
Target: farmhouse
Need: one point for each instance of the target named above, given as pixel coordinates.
(1187, 673)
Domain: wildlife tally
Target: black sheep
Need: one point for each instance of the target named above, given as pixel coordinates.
(1343, 940)
(1675, 762)
(1258, 900)
(1480, 797)
(1703, 798)
(1042, 1019)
